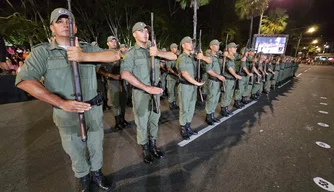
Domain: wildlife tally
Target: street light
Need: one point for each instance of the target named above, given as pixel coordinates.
(315, 41)
(310, 30)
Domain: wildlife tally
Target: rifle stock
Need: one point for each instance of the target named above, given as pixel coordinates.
(76, 76)
(237, 86)
(199, 66)
(156, 107)
(222, 88)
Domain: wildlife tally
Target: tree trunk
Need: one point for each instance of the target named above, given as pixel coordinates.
(251, 29)
(195, 20)
(260, 23)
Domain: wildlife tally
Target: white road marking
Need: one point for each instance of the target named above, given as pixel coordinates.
(299, 74)
(323, 184)
(323, 112)
(323, 104)
(284, 84)
(323, 97)
(208, 128)
(323, 145)
(323, 124)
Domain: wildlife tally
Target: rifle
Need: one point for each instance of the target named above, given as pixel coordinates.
(77, 84)
(237, 86)
(156, 107)
(259, 57)
(222, 87)
(198, 78)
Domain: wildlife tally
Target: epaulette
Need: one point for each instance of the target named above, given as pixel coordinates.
(41, 44)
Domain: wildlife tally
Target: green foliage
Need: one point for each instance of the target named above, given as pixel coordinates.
(250, 8)
(189, 3)
(274, 22)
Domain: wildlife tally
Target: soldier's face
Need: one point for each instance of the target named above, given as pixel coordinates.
(141, 35)
(188, 46)
(61, 28)
(233, 50)
(112, 44)
(214, 48)
(174, 50)
(251, 54)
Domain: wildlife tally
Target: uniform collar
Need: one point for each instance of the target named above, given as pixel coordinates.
(138, 47)
(53, 45)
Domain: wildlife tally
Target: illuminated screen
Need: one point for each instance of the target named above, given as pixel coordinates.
(271, 45)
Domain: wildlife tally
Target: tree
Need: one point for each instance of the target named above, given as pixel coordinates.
(248, 9)
(194, 4)
(274, 22)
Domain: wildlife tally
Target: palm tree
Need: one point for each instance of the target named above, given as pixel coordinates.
(248, 9)
(193, 4)
(274, 22)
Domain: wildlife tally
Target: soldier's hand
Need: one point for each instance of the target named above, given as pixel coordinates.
(74, 106)
(199, 56)
(238, 77)
(200, 83)
(154, 51)
(154, 90)
(251, 74)
(225, 54)
(273, 73)
(74, 53)
(243, 59)
(221, 78)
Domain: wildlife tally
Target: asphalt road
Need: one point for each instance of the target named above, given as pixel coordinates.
(268, 146)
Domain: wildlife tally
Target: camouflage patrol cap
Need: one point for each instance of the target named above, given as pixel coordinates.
(59, 12)
(232, 45)
(163, 49)
(243, 50)
(251, 50)
(110, 38)
(139, 26)
(186, 39)
(173, 45)
(214, 42)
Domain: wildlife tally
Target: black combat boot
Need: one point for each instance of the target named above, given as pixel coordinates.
(100, 180)
(171, 106)
(254, 97)
(237, 104)
(244, 100)
(184, 132)
(224, 112)
(123, 121)
(265, 91)
(190, 131)
(228, 111)
(147, 155)
(175, 106)
(118, 124)
(85, 183)
(154, 150)
(208, 119)
(214, 119)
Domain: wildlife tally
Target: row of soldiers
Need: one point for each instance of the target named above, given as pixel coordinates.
(245, 75)
(52, 61)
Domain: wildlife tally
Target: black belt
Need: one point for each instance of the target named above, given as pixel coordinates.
(184, 82)
(214, 78)
(243, 74)
(228, 78)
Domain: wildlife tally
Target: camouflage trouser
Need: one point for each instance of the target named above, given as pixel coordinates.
(117, 97)
(257, 86)
(213, 94)
(268, 82)
(242, 88)
(274, 81)
(249, 86)
(171, 83)
(77, 150)
(187, 102)
(145, 119)
(227, 96)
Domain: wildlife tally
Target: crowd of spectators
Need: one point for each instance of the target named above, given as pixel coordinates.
(14, 60)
